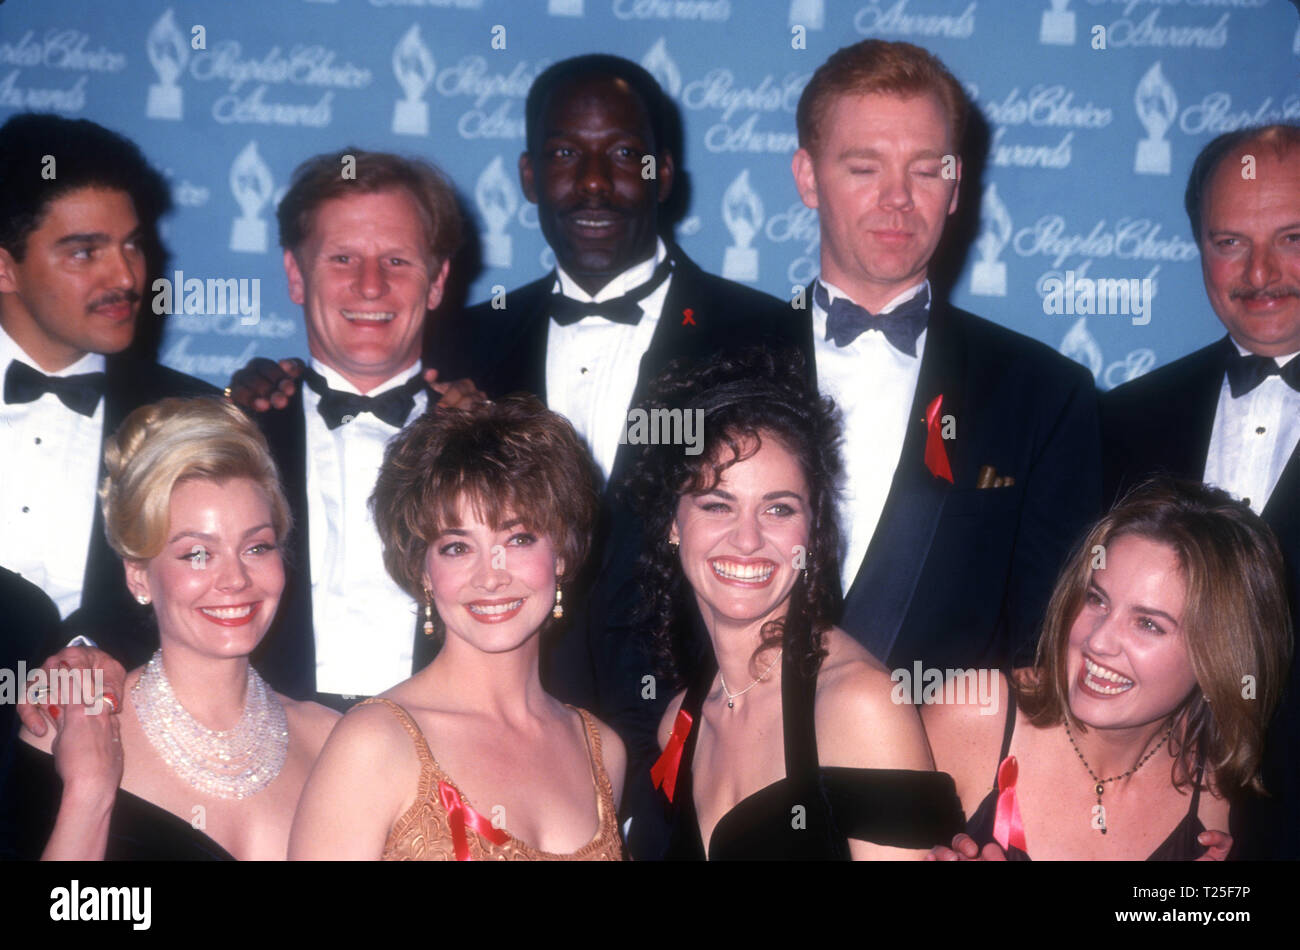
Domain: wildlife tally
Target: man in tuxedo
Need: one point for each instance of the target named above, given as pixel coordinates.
(78, 209)
(971, 452)
(621, 304)
(367, 240)
(1229, 414)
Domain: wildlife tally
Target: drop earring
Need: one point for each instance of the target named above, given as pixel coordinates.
(428, 613)
(558, 610)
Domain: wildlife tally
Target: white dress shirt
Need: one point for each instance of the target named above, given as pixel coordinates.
(873, 383)
(1253, 437)
(592, 365)
(49, 469)
(364, 623)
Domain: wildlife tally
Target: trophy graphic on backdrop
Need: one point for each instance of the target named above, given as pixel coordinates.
(414, 69)
(1058, 25)
(1080, 346)
(168, 52)
(989, 275)
(742, 213)
(659, 64)
(564, 7)
(250, 183)
(808, 13)
(1156, 108)
(494, 194)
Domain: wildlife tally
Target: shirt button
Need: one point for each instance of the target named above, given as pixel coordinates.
(1259, 430)
(583, 370)
(1246, 500)
(38, 440)
(26, 509)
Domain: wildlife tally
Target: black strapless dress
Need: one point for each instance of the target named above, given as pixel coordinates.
(138, 831)
(811, 814)
(1181, 845)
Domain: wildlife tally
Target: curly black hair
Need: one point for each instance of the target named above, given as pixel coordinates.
(745, 397)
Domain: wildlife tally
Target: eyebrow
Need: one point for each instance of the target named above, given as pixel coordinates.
(1140, 608)
(783, 493)
(462, 533)
(1285, 227)
(203, 536)
(848, 154)
(94, 237)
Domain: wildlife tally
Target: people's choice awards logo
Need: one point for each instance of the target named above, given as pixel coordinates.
(810, 14)
(564, 7)
(1081, 346)
(250, 183)
(742, 213)
(659, 64)
(1058, 25)
(168, 52)
(413, 66)
(494, 193)
(989, 275)
(1157, 106)
(879, 19)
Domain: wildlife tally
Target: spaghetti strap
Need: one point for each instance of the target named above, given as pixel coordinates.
(422, 749)
(1007, 732)
(596, 760)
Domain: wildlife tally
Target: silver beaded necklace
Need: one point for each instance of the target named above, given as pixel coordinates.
(237, 763)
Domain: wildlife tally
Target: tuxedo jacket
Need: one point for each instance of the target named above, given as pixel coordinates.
(1162, 422)
(286, 657)
(958, 576)
(597, 661)
(31, 621)
(108, 614)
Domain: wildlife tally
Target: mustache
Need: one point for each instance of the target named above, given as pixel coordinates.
(115, 298)
(1250, 293)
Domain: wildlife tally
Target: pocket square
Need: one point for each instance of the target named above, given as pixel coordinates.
(989, 478)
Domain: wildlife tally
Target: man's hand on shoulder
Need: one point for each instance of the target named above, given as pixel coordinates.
(458, 394)
(264, 384)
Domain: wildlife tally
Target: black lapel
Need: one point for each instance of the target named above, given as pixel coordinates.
(806, 333)
(882, 591)
(1283, 509)
(1190, 446)
(522, 328)
(287, 655)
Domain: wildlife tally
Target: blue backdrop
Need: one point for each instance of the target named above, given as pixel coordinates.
(1088, 147)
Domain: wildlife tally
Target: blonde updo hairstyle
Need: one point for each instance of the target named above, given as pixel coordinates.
(170, 441)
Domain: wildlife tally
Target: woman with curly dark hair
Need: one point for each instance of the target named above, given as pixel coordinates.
(786, 743)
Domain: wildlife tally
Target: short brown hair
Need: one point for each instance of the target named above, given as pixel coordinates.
(164, 443)
(878, 66)
(1236, 624)
(510, 459)
(320, 179)
(1281, 137)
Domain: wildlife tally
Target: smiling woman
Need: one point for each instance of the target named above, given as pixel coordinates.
(209, 760)
(1162, 659)
(484, 514)
(786, 743)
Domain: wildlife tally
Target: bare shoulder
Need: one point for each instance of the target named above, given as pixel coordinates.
(310, 722)
(369, 732)
(860, 722)
(669, 717)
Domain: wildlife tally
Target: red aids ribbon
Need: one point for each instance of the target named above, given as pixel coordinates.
(1008, 830)
(664, 771)
(688, 317)
(460, 815)
(936, 456)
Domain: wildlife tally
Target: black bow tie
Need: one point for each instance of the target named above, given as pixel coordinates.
(337, 407)
(624, 309)
(79, 393)
(1247, 372)
(846, 321)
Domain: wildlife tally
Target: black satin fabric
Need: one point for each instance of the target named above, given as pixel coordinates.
(1181, 845)
(138, 830)
(811, 813)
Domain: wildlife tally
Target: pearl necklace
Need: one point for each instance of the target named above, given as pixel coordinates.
(732, 697)
(237, 763)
